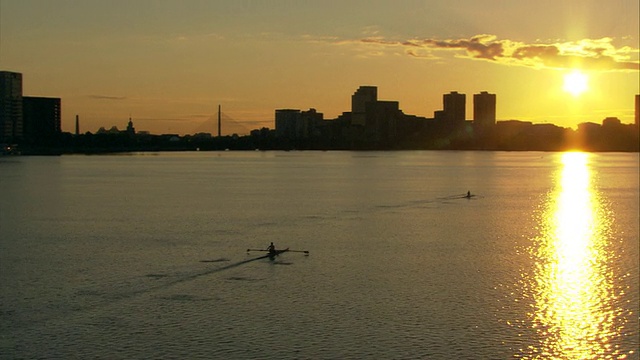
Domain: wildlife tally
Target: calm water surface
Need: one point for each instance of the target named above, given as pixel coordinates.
(144, 256)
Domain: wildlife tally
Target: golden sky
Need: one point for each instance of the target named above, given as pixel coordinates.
(169, 63)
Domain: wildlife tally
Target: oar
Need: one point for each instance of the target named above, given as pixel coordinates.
(302, 251)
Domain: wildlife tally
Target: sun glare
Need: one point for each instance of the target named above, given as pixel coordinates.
(575, 83)
(572, 287)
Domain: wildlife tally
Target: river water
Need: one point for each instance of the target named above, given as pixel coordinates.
(144, 256)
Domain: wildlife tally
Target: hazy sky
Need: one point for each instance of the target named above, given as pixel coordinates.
(169, 63)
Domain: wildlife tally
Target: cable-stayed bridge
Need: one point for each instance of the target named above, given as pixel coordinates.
(229, 126)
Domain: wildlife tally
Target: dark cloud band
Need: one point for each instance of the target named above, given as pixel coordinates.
(588, 54)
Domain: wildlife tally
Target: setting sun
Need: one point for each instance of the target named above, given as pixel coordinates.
(575, 83)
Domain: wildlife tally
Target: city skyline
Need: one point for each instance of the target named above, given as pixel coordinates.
(370, 123)
(169, 64)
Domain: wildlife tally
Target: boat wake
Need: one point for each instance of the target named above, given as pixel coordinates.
(131, 289)
(214, 260)
(460, 196)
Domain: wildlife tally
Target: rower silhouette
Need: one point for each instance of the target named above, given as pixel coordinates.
(271, 249)
(468, 194)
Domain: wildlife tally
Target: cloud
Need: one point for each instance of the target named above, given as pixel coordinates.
(588, 54)
(599, 54)
(479, 47)
(107, 97)
(428, 55)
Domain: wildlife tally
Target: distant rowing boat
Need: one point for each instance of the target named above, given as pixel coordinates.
(272, 254)
(461, 196)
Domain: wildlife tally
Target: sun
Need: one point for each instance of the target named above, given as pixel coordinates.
(575, 83)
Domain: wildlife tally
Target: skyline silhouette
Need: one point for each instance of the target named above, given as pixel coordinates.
(33, 123)
(169, 65)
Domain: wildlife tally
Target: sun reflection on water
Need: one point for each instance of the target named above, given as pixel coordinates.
(573, 296)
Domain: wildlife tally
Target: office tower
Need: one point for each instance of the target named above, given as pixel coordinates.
(296, 124)
(484, 109)
(359, 100)
(382, 120)
(311, 120)
(287, 121)
(454, 108)
(11, 121)
(637, 122)
(41, 118)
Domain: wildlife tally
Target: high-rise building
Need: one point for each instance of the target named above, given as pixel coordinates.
(311, 121)
(296, 124)
(11, 120)
(41, 117)
(484, 109)
(359, 100)
(637, 122)
(454, 108)
(382, 120)
(286, 122)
